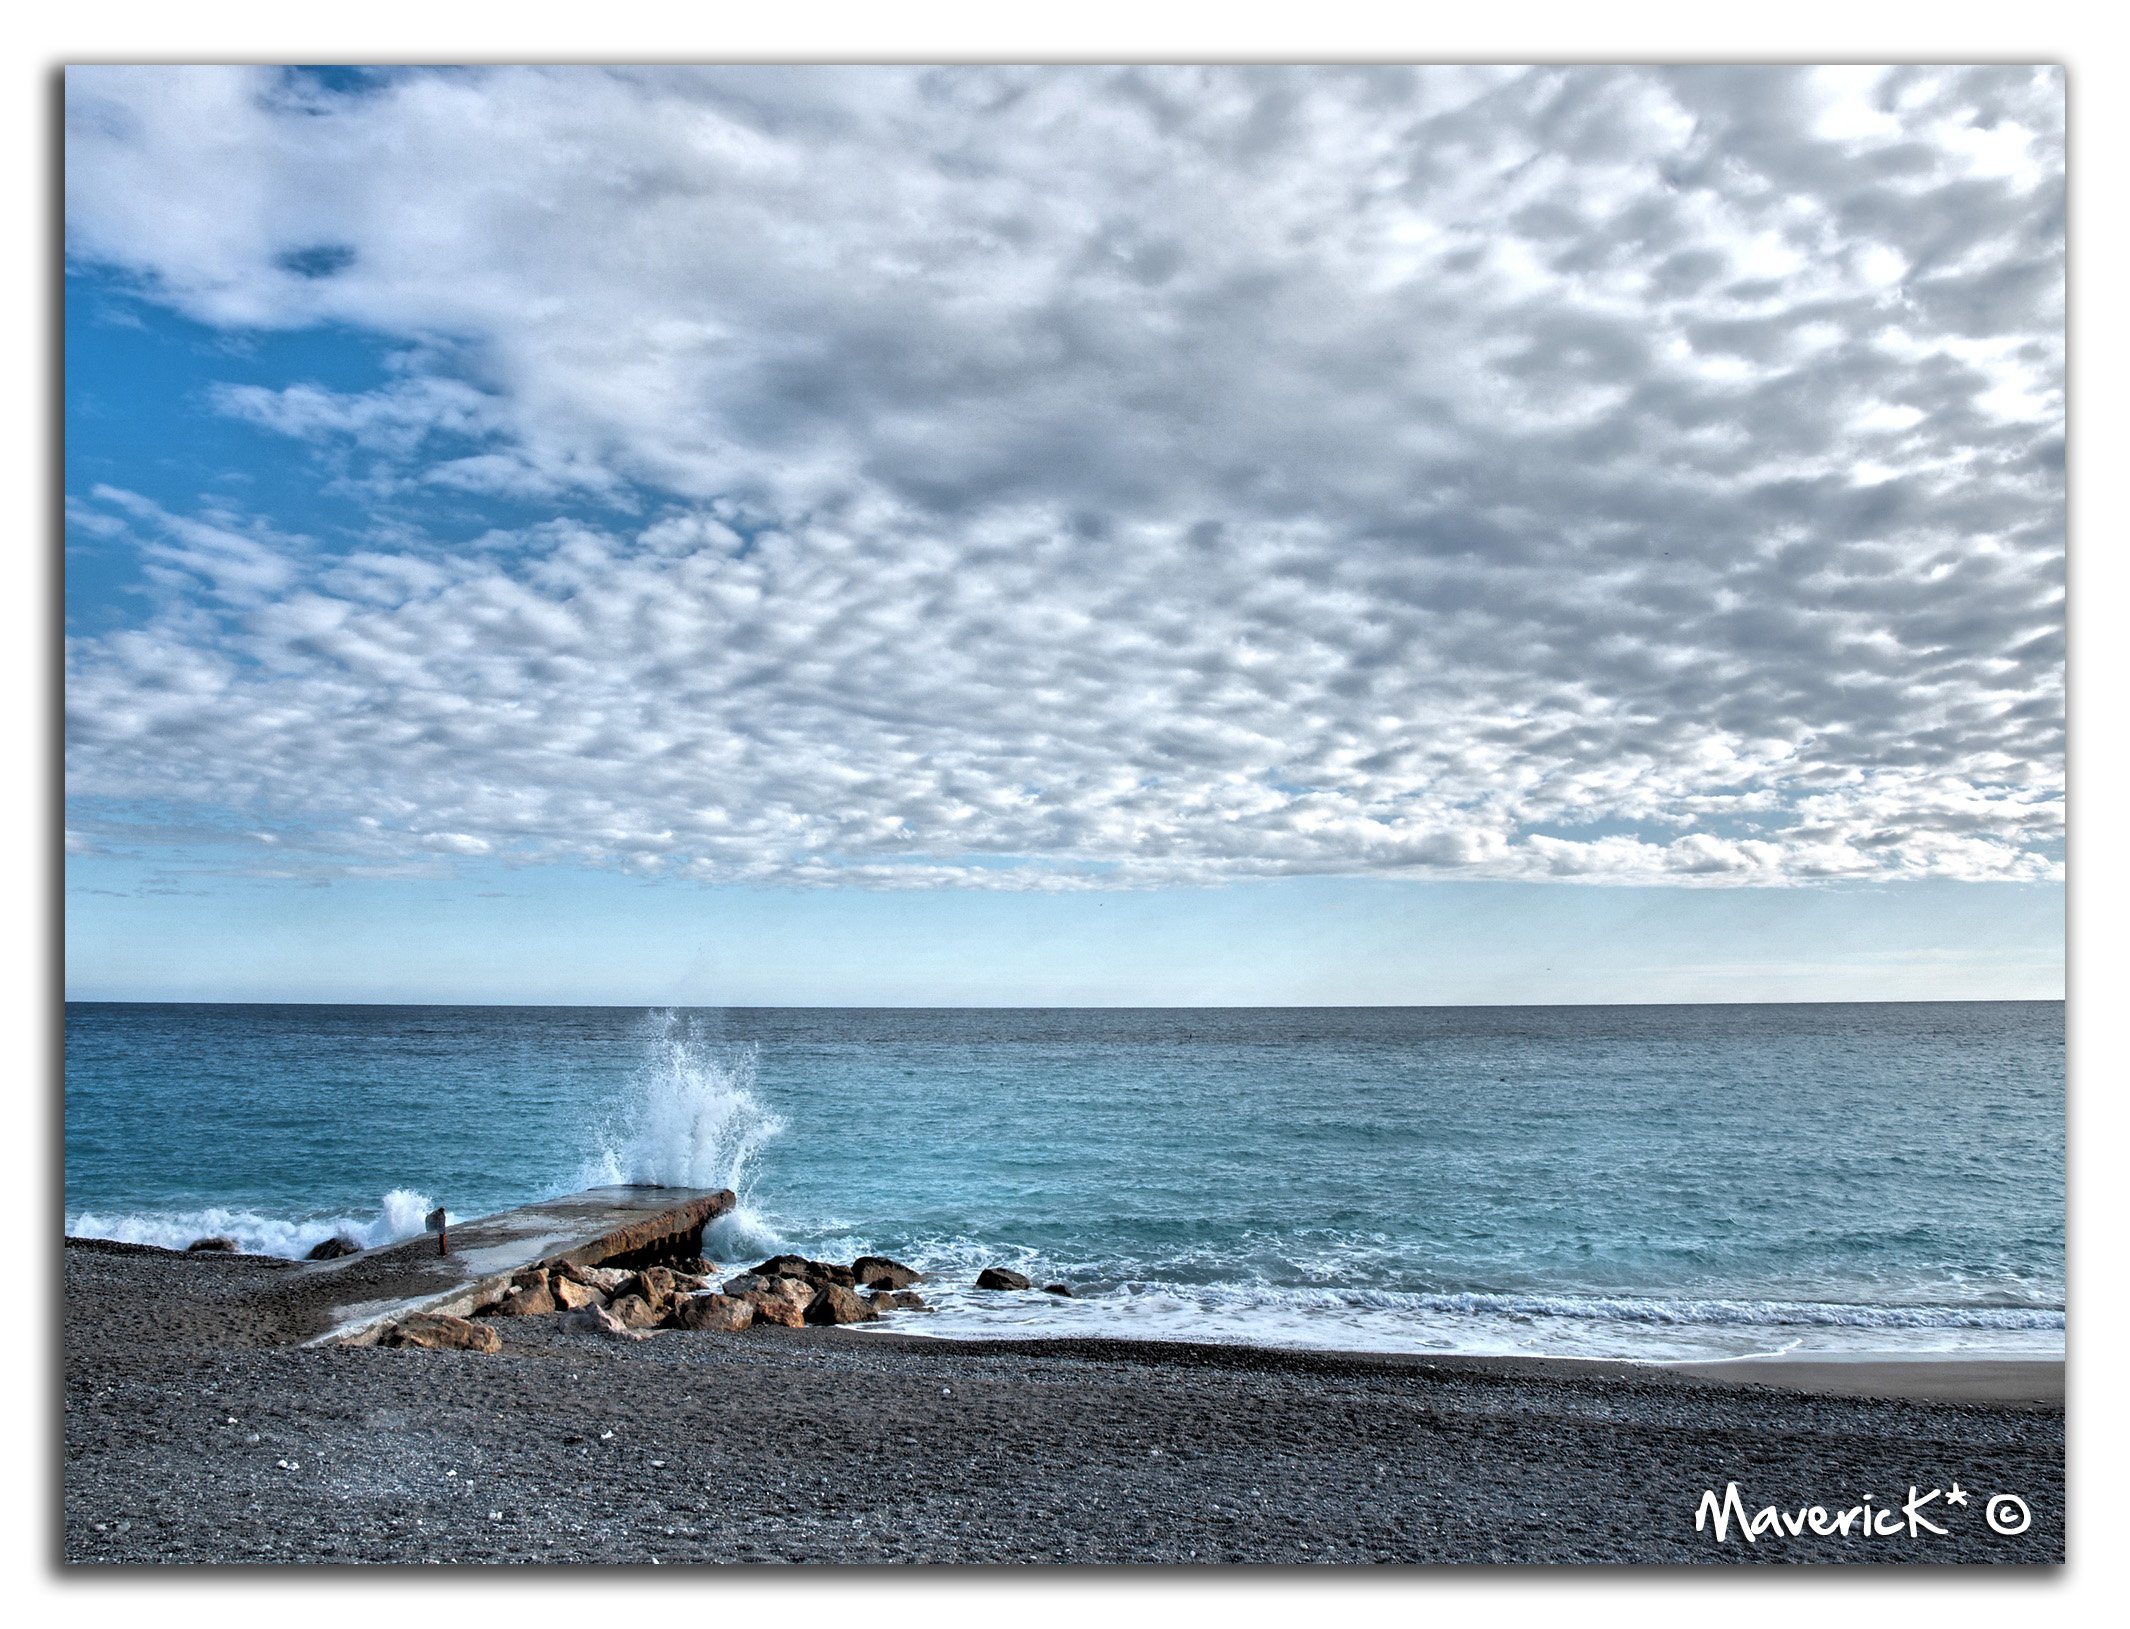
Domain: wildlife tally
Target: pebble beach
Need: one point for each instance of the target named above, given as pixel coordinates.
(199, 1427)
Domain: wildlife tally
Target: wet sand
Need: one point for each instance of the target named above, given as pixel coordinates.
(1933, 1380)
(198, 1428)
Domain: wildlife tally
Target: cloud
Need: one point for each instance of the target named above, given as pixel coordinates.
(1085, 477)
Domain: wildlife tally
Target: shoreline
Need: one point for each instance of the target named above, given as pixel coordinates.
(1982, 1378)
(199, 1428)
(1978, 1376)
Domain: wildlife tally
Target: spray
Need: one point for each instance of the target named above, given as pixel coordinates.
(691, 1119)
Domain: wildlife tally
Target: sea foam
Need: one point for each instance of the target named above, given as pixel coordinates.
(399, 1215)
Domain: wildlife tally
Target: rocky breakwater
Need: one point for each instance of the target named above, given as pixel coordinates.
(633, 1303)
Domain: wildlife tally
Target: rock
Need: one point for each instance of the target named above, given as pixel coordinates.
(534, 1286)
(634, 1312)
(882, 1273)
(215, 1242)
(1058, 1289)
(815, 1273)
(898, 1301)
(439, 1332)
(834, 1304)
(654, 1284)
(609, 1279)
(722, 1314)
(782, 1301)
(1001, 1278)
(688, 1283)
(599, 1321)
(333, 1249)
(746, 1284)
(572, 1295)
(529, 1296)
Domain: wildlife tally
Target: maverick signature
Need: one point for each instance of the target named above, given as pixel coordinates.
(2006, 1513)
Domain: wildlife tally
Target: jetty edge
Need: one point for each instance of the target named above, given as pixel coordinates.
(624, 1226)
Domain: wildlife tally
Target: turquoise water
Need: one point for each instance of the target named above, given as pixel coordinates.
(1635, 1181)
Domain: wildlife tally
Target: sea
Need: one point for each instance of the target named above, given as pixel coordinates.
(1663, 1183)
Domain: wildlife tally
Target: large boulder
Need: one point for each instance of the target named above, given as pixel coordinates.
(782, 1301)
(634, 1312)
(528, 1295)
(813, 1272)
(1058, 1289)
(599, 1321)
(650, 1285)
(571, 1295)
(1001, 1278)
(884, 1273)
(834, 1304)
(214, 1243)
(608, 1279)
(653, 1284)
(898, 1301)
(722, 1314)
(440, 1332)
(333, 1249)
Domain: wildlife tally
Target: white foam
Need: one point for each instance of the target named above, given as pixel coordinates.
(399, 1215)
(692, 1119)
(1131, 1301)
(1550, 1326)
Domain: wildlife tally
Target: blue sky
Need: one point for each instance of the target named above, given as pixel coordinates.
(940, 536)
(572, 936)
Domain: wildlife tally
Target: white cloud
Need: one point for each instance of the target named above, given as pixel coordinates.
(1071, 477)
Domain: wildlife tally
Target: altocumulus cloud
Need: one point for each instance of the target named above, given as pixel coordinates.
(1085, 477)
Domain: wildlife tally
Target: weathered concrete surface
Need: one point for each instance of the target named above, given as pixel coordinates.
(358, 1295)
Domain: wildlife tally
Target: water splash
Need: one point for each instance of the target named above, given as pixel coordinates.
(691, 1119)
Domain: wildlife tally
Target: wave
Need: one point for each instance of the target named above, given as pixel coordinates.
(399, 1215)
(1656, 1310)
(958, 1259)
(691, 1118)
(1146, 1300)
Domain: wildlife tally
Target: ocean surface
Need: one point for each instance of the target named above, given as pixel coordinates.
(1651, 1182)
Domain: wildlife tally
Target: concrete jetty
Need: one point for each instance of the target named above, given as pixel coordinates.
(602, 1227)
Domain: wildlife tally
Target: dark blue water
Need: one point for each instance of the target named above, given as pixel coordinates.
(1656, 1181)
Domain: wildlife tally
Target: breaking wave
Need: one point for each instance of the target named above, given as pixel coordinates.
(1626, 1327)
(691, 1119)
(1144, 1299)
(399, 1215)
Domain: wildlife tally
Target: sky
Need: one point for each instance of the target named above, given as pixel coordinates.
(968, 535)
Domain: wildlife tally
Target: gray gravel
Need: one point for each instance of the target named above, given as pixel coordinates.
(191, 1436)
